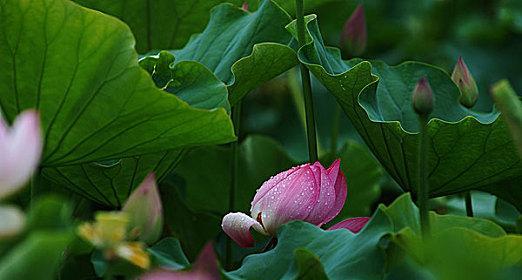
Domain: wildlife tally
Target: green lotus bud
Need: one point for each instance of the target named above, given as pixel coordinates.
(423, 97)
(464, 80)
(145, 211)
(508, 102)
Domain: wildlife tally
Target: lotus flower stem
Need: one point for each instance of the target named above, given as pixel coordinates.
(423, 191)
(469, 204)
(422, 101)
(307, 86)
(236, 119)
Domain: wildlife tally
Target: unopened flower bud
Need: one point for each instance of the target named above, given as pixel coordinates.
(464, 80)
(354, 35)
(145, 211)
(423, 97)
(245, 6)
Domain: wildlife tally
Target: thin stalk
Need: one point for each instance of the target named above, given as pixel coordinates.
(236, 120)
(423, 191)
(469, 204)
(335, 128)
(307, 86)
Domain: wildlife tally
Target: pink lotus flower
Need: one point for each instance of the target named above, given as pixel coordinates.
(308, 192)
(205, 268)
(145, 211)
(20, 151)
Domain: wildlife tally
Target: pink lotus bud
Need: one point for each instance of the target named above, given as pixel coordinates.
(245, 6)
(423, 97)
(20, 151)
(205, 268)
(464, 80)
(352, 224)
(145, 211)
(354, 35)
(308, 192)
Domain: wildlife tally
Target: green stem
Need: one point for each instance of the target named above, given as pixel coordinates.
(307, 86)
(335, 128)
(469, 204)
(236, 120)
(423, 191)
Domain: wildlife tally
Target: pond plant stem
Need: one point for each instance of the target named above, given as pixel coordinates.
(307, 86)
(469, 204)
(236, 120)
(423, 191)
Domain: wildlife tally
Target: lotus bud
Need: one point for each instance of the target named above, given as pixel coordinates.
(245, 6)
(354, 35)
(308, 192)
(464, 80)
(145, 211)
(423, 97)
(352, 224)
(20, 151)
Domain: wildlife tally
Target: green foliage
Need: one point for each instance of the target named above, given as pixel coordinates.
(373, 252)
(260, 158)
(468, 149)
(39, 253)
(243, 49)
(106, 99)
(162, 24)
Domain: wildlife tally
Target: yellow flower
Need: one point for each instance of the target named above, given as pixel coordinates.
(109, 233)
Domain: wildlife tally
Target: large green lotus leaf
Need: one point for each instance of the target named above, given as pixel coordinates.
(243, 49)
(467, 149)
(111, 182)
(345, 255)
(159, 24)
(79, 69)
(461, 253)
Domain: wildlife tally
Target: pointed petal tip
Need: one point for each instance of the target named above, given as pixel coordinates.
(354, 225)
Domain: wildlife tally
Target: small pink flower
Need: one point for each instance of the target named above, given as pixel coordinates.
(205, 268)
(354, 35)
(145, 211)
(422, 97)
(352, 224)
(245, 6)
(466, 83)
(20, 151)
(308, 192)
